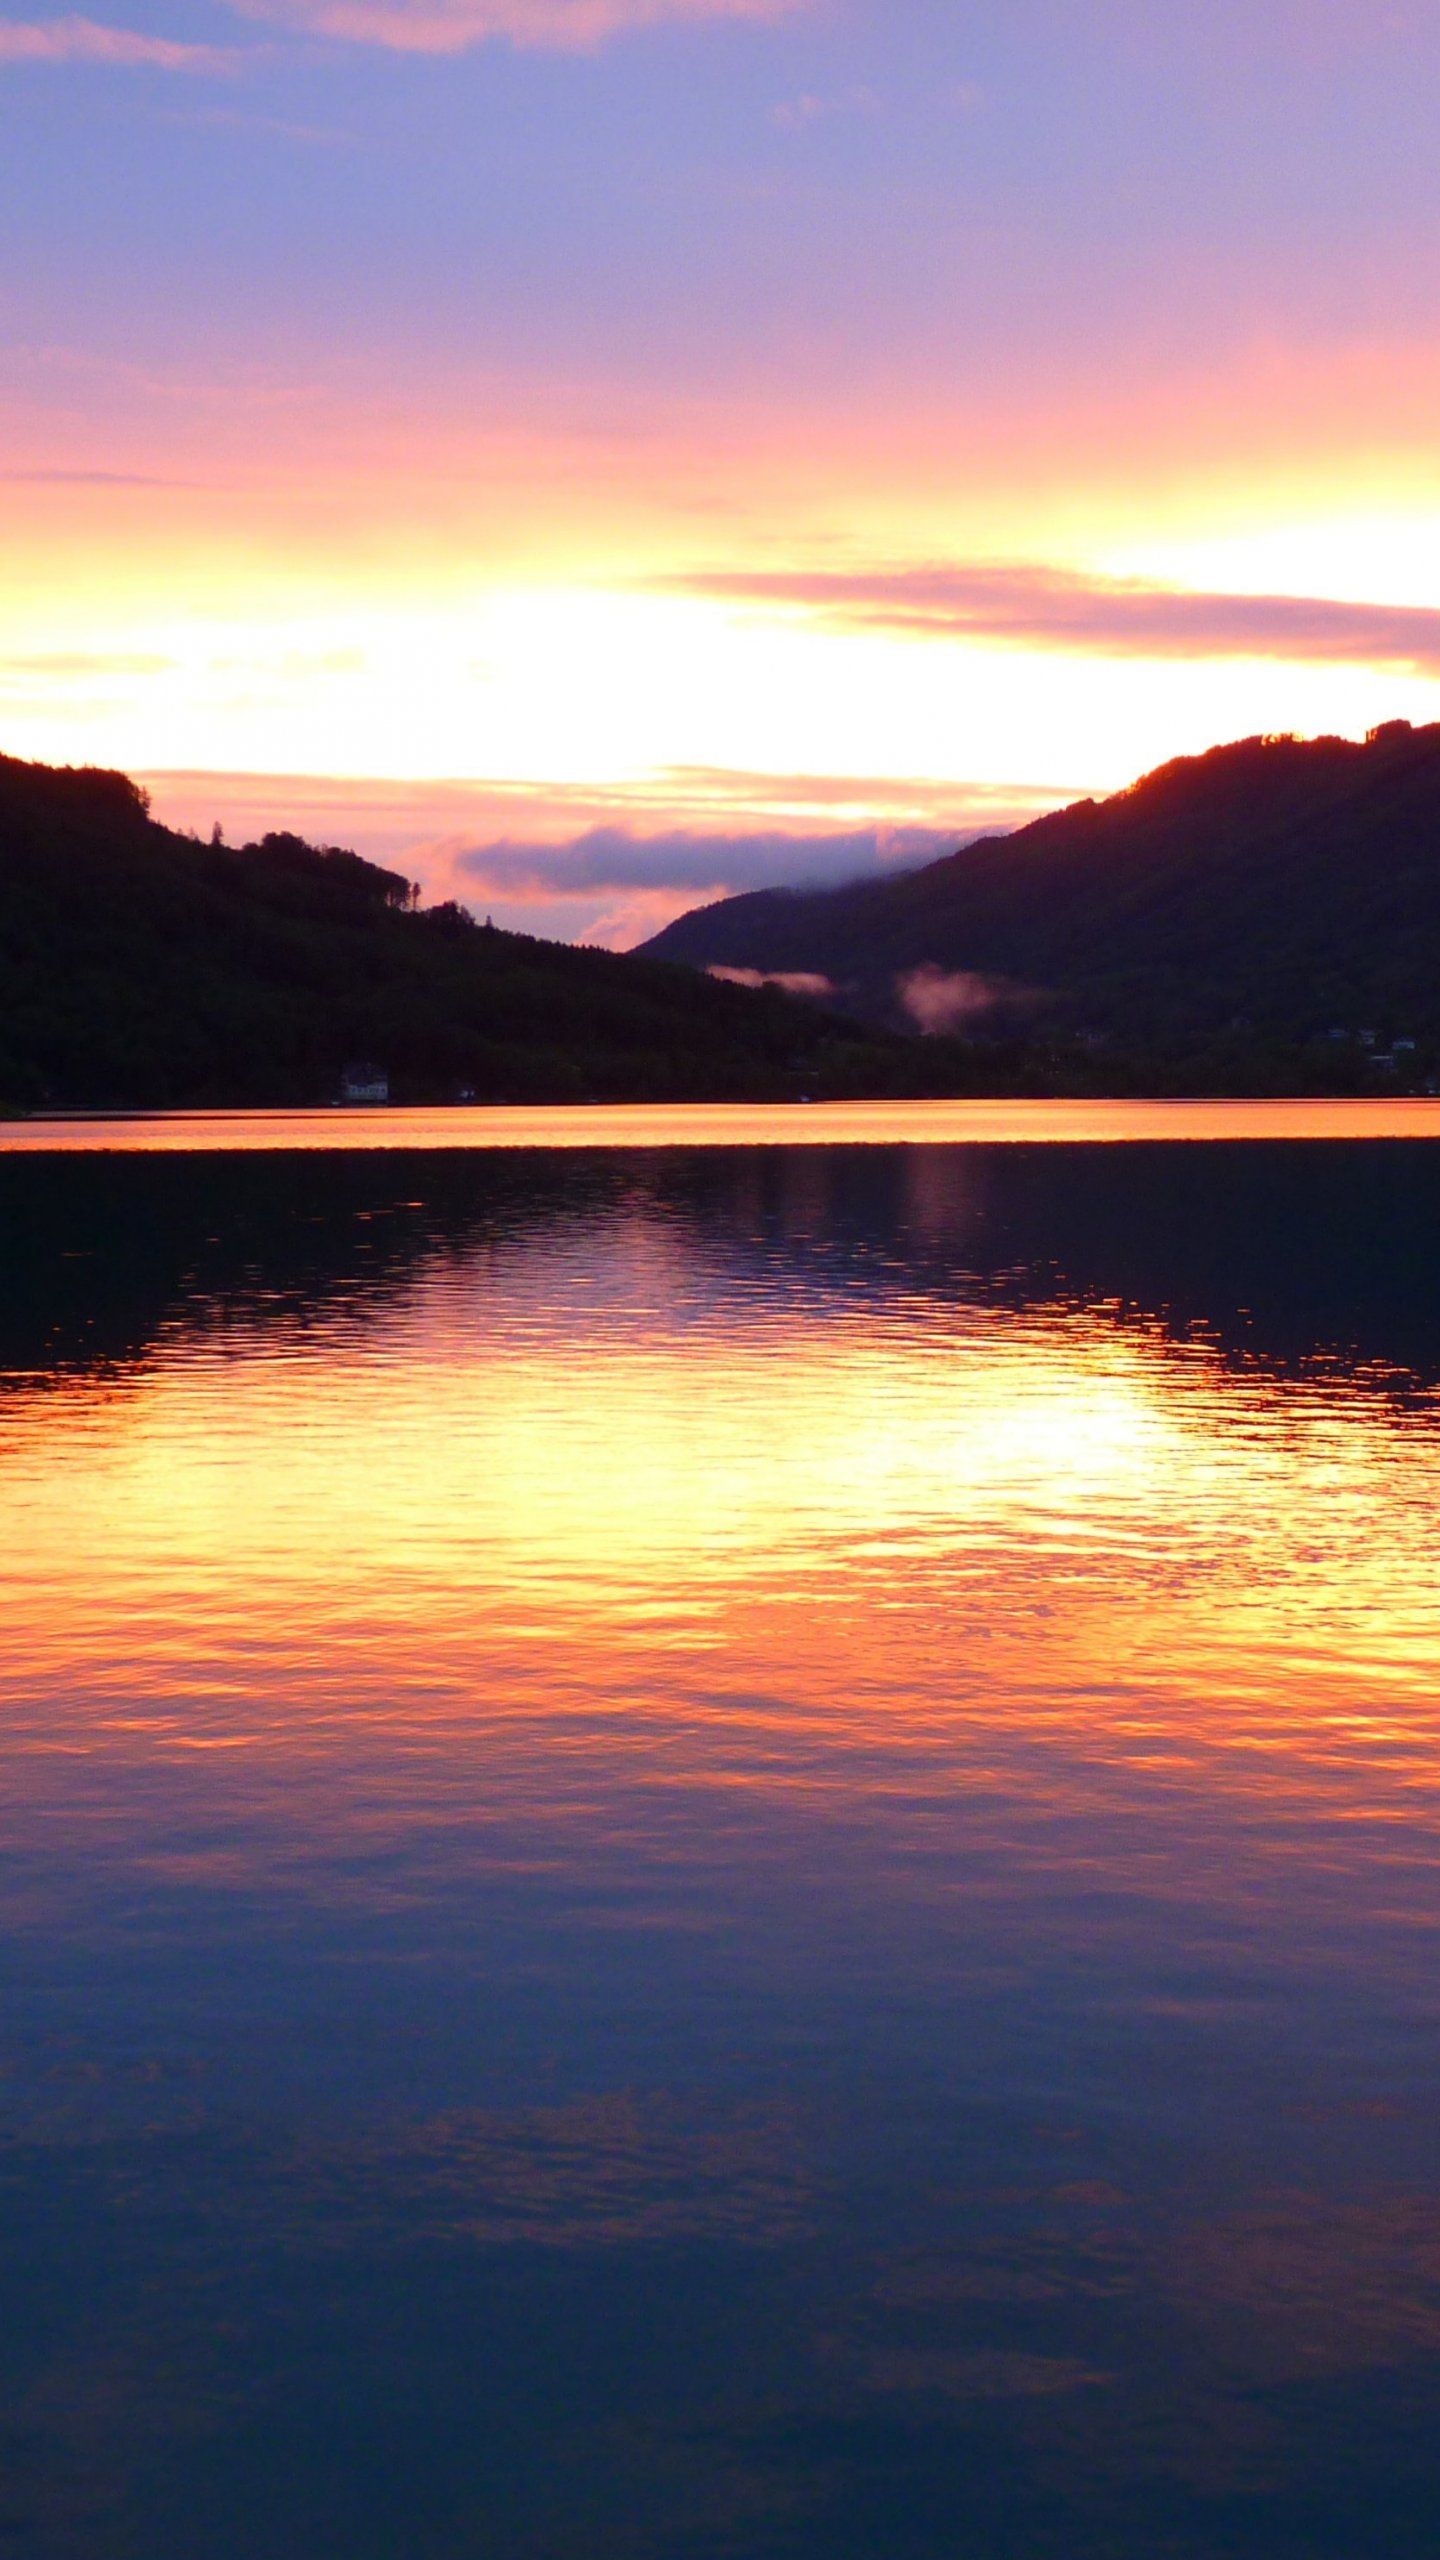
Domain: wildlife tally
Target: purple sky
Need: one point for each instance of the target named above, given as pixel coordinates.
(663, 438)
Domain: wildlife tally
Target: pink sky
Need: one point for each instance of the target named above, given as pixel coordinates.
(600, 452)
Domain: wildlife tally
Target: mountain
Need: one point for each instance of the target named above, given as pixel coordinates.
(141, 969)
(1269, 912)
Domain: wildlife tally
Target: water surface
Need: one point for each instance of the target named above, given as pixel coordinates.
(720, 1851)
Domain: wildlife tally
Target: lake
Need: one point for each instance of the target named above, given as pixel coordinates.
(720, 1835)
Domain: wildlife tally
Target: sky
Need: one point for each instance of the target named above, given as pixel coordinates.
(599, 454)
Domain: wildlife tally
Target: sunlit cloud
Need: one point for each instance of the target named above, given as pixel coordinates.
(387, 817)
(62, 40)
(453, 26)
(1040, 607)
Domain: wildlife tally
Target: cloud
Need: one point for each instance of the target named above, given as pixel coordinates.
(452, 26)
(795, 982)
(951, 803)
(944, 999)
(718, 827)
(610, 858)
(1037, 607)
(57, 40)
(707, 800)
(89, 480)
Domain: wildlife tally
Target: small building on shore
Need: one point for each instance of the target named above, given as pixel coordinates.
(363, 1082)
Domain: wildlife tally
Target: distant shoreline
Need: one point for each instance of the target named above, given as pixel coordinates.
(494, 1128)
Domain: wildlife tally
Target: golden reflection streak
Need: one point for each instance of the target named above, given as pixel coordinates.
(461, 1538)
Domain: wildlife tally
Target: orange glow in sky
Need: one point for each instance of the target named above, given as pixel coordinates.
(469, 398)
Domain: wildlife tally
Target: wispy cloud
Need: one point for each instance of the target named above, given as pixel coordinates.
(453, 26)
(1038, 607)
(62, 40)
(892, 799)
(88, 480)
(698, 800)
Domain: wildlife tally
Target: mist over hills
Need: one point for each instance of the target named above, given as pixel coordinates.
(142, 969)
(1267, 913)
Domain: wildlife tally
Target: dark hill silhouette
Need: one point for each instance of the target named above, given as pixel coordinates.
(140, 968)
(1213, 925)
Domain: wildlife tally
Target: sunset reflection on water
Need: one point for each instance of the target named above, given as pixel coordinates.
(768, 1824)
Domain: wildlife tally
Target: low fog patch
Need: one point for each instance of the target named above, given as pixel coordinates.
(945, 1000)
(793, 982)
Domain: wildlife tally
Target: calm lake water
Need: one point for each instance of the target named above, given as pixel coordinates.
(721, 1851)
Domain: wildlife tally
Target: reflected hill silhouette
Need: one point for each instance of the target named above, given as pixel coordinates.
(107, 1254)
(1280, 1256)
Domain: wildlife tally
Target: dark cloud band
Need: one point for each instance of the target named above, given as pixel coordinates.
(608, 859)
(1037, 607)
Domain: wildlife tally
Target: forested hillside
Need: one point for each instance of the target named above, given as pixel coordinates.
(139, 968)
(1266, 913)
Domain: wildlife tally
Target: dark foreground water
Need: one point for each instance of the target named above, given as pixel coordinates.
(721, 1853)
